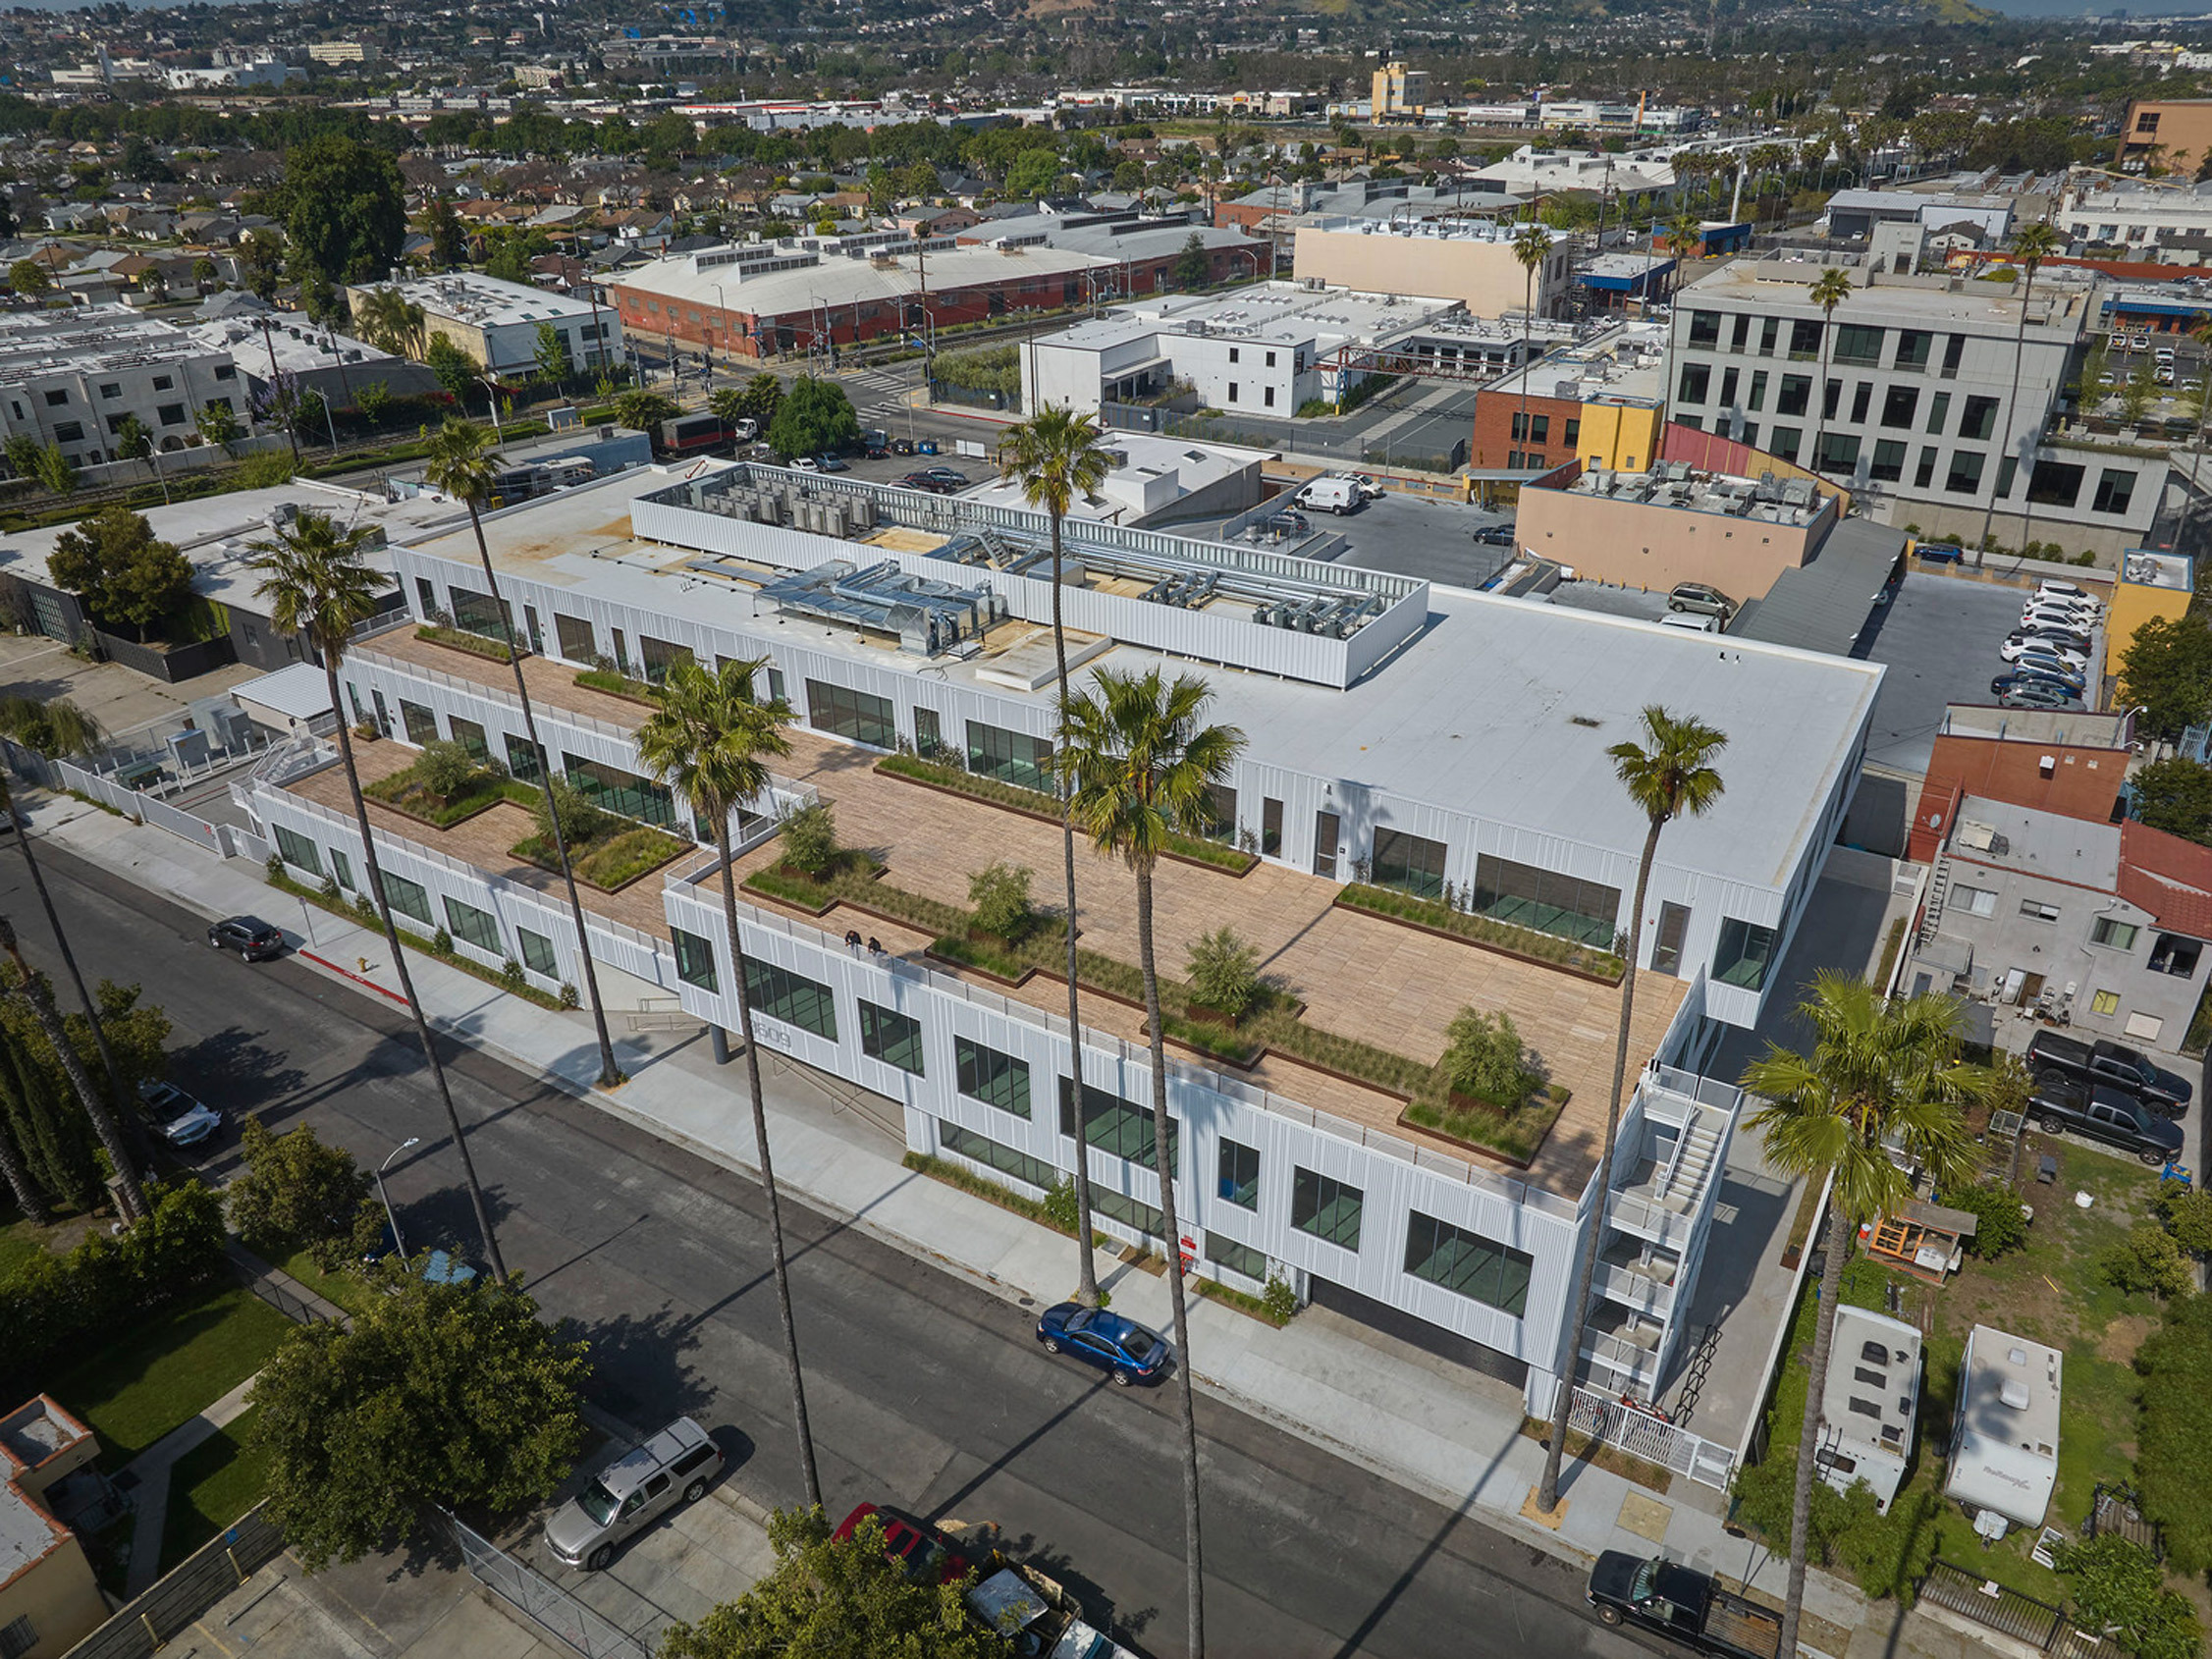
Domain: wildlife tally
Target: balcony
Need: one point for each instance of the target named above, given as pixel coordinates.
(1630, 1275)
(1626, 1344)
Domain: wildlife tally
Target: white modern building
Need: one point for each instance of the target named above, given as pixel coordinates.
(1869, 1402)
(496, 322)
(1265, 349)
(1918, 415)
(71, 378)
(1423, 739)
(2136, 220)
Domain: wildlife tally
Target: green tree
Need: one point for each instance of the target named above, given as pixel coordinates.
(1057, 459)
(204, 273)
(445, 768)
(837, 1597)
(999, 900)
(1828, 291)
(567, 810)
(728, 404)
(32, 990)
(261, 262)
(763, 396)
(21, 451)
(2175, 794)
(29, 278)
(449, 242)
(439, 1396)
(345, 206)
(1485, 1058)
(387, 318)
(1668, 775)
(56, 730)
(316, 580)
(2119, 1587)
(553, 353)
(1193, 268)
(815, 418)
(1035, 174)
(132, 441)
(2031, 246)
(710, 740)
(1224, 971)
(462, 465)
(128, 577)
(456, 369)
(1881, 1074)
(372, 397)
(55, 473)
(2167, 671)
(1531, 246)
(1139, 766)
(217, 424)
(294, 1191)
(643, 411)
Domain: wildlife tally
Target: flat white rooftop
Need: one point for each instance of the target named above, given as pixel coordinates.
(481, 301)
(1287, 313)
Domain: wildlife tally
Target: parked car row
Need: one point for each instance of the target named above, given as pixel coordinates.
(2051, 651)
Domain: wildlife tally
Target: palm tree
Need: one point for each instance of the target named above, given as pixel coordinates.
(1531, 246)
(1670, 775)
(1830, 290)
(316, 581)
(2031, 246)
(32, 990)
(709, 740)
(460, 465)
(1137, 764)
(387, 319)
(1880, 1074)
(1056, 458)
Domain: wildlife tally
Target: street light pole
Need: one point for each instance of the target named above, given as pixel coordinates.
(399, 1244)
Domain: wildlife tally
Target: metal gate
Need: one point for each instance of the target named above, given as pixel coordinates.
(1655, 1440)
(544, 1603)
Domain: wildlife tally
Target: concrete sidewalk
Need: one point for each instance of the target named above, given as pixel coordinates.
(150, 1474)
(1421, 1422)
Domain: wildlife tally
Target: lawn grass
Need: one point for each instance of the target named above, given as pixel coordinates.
(212, 1485)
(21, 1241)
(348, 1289)
(167, 1370)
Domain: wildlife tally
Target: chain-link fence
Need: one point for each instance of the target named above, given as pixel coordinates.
(544, 1603)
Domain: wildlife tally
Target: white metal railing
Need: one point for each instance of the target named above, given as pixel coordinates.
(1635, 1289)
(1636, 1366)
(504, 697)
(1644, 1435)
(1664, 1226)
(289, 761)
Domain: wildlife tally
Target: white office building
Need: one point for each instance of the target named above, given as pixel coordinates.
(71, 378)
(1423, 739)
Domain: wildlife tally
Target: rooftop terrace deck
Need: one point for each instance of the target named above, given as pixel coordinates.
(1360, 975)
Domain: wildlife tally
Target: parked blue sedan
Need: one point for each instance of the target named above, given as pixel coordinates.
(1133, 1352)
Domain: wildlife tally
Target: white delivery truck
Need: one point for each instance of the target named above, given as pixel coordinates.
(1330, 495)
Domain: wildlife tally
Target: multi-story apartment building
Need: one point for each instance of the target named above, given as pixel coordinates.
(1432, 741)
(71, 378)
(1399, 92)
(1918, 414)
(2173, 133)
(2140, 220)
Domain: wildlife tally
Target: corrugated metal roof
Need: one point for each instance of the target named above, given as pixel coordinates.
(1826, 605)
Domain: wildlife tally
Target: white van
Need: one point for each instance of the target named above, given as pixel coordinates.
(1690, 621)
(1330, 495)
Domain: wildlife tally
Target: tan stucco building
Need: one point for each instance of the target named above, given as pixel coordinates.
(1471, 261)
(49, 1601)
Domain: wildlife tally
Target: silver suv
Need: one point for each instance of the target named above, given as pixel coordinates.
(644, 1483)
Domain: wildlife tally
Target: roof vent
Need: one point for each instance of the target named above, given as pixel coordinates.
(2014, 1394)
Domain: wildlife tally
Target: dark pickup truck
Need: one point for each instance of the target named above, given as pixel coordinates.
(1682, 1603)
(2105, 1113)
(2052, 1055)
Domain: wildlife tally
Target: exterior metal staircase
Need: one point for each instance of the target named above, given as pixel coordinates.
(1931, 914)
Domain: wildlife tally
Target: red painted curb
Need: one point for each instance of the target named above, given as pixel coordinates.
(358, 979)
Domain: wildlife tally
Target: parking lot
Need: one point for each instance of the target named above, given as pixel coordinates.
(1410, 536)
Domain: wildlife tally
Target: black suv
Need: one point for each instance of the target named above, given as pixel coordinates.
(2106, 1114)
(2053, 1056)
(250, 937)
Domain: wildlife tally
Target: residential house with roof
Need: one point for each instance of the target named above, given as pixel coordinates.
(2069, 762)
(49, 1599)
(2098, 926)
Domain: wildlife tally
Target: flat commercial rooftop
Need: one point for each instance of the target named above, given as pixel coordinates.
(1501, 709)
(1787, 283)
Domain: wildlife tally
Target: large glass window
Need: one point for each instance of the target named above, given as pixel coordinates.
(1805, 340)
(2055, 483)
(480, 613)
(421, 724)
(1795, 396)
(1240, 1175)
(853, 715)
(522, 760)
(1697, 378)
(996, 1080)
(1966, 472)
(407, 897)
(621, 791)
(1410, 862)
(298, 851)
(577, 642)
(1888, 466)
(1746, 953)
(2113, 935)
(1978, 417)
(658, 657)
(1325, 1208)
(1007, 1161)
(1856, 342)
(1939, 407)
(342, 869)
(1839, 451)
(891, 1037)
(1225, 1251)
(1913, 346)
(929, 733)
(1899, 405)
(791, 997)
(1547, 901)
(1010, 757)
(696, 960)
(469, 734)
(1119, 1127)
(1468, 1263)
(537, 952)
(472, 926)
(1134, 1213)
(2115, 490)
(1704, 330)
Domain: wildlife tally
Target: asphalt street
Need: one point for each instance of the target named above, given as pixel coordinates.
(924, 1389)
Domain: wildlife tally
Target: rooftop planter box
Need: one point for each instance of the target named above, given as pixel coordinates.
(1600, 967)
(455, 639)
(611, 862)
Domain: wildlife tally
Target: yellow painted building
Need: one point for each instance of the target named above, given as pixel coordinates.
(1619, 434)
(1399, 91)
(2150, 584)
(49, 1601)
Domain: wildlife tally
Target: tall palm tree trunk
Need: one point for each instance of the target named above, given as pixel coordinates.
(128, 1194)
(2012, 410)
(28, 1199)
(767, 1165)
(1087, 1281)
(1586, 1263)
(1820, 400)
(609, 1073)
(373, 874)
(1163, 1163)
(1800, 1501)
(124, 1112)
